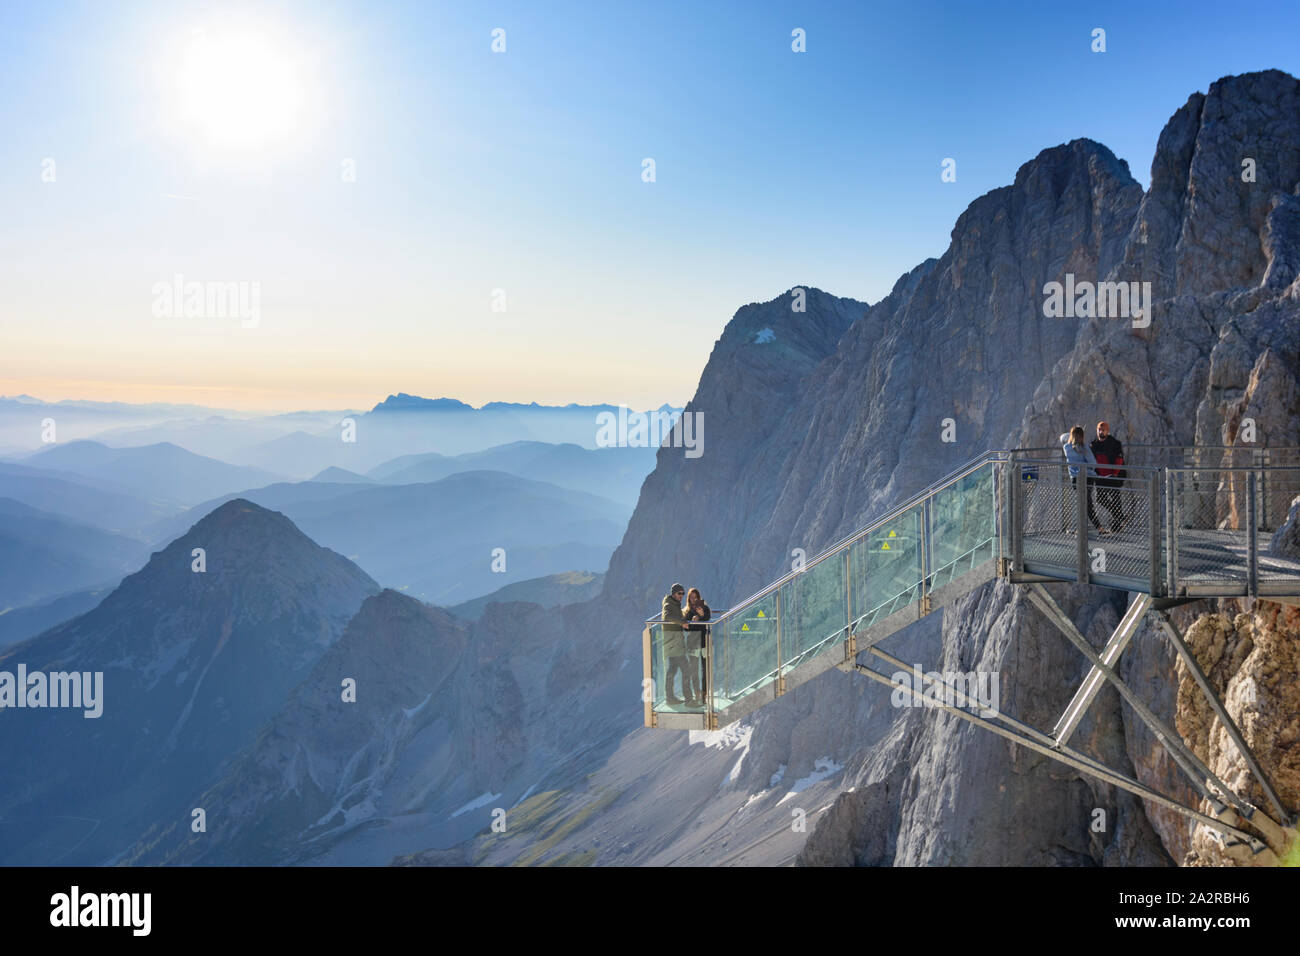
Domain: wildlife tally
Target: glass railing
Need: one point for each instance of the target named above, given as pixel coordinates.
(798, 626)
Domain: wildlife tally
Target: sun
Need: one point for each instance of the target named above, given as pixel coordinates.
(239, 89)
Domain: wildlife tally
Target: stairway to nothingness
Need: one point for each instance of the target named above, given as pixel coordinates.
(1194, 522)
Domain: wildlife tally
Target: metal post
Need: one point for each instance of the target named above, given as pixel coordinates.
(927, 555)
(780, 678)
(647, 659)
(1016, 517)
(1081, 523)
(849, 654)
(710, 714)
(1264, 522)
(1171, 535)
(1252, 538)
(1153, 552)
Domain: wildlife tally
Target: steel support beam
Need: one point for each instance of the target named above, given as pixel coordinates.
(1106, 776)
(1011, 722)
(1191, 765)
(1092, 683)
(1189, 659)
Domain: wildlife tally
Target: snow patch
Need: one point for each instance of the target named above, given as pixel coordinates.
(480, 801)
(823, 767)
(418, 707)
(731, 737)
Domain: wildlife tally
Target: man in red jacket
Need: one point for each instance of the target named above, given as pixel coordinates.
(1108, 451)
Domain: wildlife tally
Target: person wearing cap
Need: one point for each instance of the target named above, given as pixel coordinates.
(674, 622)
(1108, 451)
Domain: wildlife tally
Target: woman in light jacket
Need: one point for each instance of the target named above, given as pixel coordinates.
(1077, 453)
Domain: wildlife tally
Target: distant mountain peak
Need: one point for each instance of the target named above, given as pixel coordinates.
(403, 402)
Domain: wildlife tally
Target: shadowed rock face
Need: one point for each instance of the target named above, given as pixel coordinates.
(448, 718)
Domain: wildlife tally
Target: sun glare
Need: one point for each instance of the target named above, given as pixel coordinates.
(239, 90)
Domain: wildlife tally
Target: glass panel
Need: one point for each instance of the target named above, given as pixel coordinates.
(963, 522)
(657, 662)
(886, 568)
(745, 651)
(814, 609)
(677, 668)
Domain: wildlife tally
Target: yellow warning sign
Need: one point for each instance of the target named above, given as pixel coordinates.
(744, 627)
(893, 534)
(761, 614)
(885, 546)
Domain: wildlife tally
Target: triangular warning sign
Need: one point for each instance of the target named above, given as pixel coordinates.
(893, 534)
(885, 546)
(744, 627)
(761, 614)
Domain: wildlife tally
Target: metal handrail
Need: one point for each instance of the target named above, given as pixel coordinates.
(974, 464)
(712, 620)
(928, 492)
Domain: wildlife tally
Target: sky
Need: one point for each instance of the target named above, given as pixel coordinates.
(405, 209)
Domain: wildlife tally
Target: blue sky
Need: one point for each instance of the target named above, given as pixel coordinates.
(521, 171)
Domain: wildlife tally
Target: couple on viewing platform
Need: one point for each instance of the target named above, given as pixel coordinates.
(684, 639)
(1104, 453)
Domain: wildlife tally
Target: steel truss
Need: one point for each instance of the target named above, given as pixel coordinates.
(1222, 799)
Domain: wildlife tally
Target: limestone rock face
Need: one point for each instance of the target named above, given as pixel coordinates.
(1286, 540)
(1251, 660)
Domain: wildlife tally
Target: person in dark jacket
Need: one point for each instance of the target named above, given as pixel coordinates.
(675, 644)
(697, 611)
(1108, 451)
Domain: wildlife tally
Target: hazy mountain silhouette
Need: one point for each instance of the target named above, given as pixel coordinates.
(20, 623)
(435, 540)
(193, 664)
(553, 590)
(83, 499)
(43, 555)
(615, 473)
(164, 471)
